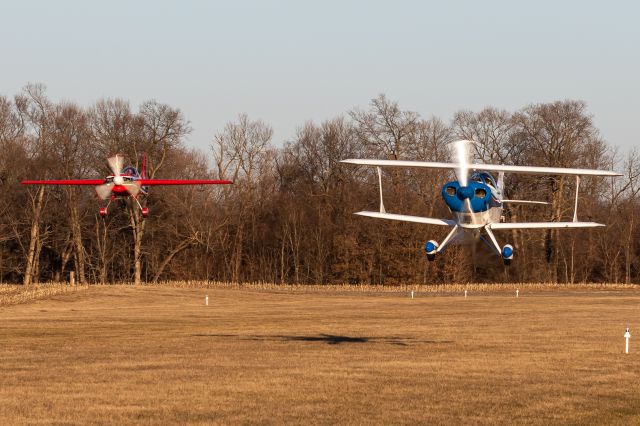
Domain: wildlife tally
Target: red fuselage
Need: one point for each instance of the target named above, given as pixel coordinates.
(119, 191)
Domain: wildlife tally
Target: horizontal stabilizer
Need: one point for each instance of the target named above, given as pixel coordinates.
(485, 167)
(405, 218)
(544, 225)
(525, 202)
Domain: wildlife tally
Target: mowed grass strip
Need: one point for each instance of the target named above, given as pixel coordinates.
(124, 354)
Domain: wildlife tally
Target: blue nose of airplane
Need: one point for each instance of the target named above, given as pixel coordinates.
(465, 192)
(478, 194)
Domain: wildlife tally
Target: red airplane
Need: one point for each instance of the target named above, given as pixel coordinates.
(125, 182)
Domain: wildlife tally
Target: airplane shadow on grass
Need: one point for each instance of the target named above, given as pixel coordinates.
(330, 339)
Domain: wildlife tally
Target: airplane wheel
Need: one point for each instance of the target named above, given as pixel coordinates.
(103, 211)
(145, 212)
(431, 247)
(507, 254)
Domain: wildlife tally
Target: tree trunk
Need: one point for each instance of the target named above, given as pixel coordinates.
(137, 226)
(64, 258)
(101, 245)
(294, 242)
(283, 244)
(237, 254)
(627, 251)
(34, 241)
(76, 231)
(36, 258)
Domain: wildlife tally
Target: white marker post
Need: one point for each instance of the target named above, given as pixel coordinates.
(412, 294)
(206, 300)
(517, 292)
(627, 335)
(465, 294)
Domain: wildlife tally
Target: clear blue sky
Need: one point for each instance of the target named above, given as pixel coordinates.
(291, 61)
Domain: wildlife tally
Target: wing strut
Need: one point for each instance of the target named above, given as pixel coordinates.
(382, 210)
(575, 208)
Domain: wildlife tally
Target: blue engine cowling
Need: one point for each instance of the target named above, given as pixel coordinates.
(455, 195)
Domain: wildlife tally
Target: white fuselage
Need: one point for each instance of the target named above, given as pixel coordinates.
(478, 220)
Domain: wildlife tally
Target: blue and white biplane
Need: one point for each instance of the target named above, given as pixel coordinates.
(476, 200)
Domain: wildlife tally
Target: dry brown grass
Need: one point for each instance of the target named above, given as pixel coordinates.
(16, 294)
(369, 288)
(156, 354)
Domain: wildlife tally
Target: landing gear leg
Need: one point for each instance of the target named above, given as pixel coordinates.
(103, 210)
(432, 248)
(450, 238)
(143, 210)
(493, 243)
(505, 252)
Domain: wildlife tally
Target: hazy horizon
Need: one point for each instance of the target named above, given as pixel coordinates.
(288, 62)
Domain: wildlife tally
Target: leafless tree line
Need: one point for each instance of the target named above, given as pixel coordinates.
(288, 217)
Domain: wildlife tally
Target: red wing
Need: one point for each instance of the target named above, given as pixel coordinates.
(64, 182)
(147, 182)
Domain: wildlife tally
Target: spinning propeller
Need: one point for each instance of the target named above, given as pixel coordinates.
(461, 154)
(463, 158)
(116, 163)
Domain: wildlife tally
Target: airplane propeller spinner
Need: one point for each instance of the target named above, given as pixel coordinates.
(115, 164)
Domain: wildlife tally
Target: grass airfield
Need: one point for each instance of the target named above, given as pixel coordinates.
(124, 354)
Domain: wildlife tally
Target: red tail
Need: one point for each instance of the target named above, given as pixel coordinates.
(143, 170)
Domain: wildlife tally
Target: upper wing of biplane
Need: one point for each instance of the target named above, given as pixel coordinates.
(485, 167)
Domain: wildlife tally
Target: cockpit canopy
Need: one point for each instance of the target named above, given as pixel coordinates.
(483, 177)
(130, 171)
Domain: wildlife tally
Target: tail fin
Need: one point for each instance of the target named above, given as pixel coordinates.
(143, 170)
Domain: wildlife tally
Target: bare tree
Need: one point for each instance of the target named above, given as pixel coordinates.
(385, 128)
(559, 134)
(36, 112)
(242, 152)
(288, 217)
(492, 130)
